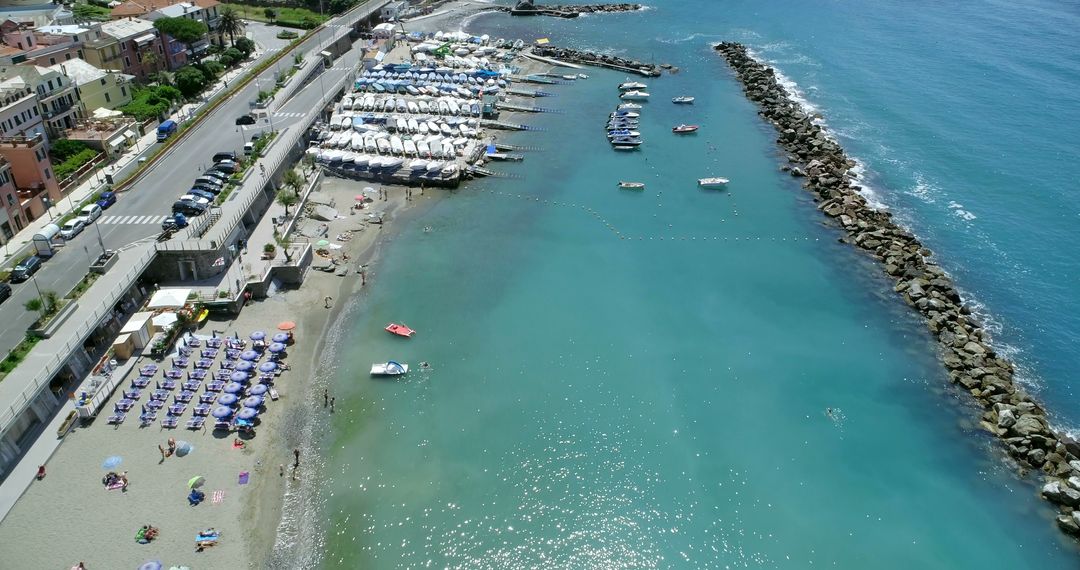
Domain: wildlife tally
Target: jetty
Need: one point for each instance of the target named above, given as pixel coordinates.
(529, 8)
(595, 59)
(965, 349)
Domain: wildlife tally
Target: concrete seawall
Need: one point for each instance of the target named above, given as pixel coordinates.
(965, 350)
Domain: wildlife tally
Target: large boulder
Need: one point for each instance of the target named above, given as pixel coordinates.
(1029, 424)
(1060, 494)
(1006, 419)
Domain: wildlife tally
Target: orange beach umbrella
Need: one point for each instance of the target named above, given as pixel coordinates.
(286, 326)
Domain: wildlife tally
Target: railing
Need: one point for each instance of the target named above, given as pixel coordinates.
(75, 339)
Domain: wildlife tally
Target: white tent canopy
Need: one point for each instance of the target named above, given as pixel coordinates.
(170, 298)
(164, 319)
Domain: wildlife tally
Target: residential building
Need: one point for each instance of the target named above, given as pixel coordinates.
(57, 99)
(134, 47)
(12, 218)
(205, 11)
(393, 11)
(18, 35)
(97, 88)
(36, 189)
(20, 114)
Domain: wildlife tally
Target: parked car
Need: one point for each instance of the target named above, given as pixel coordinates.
(202, 186)
(223, 156)
(5, 292)
(89, 213)
(107, 199)
(217, 174)
(208, 196)
(26, 268)
(245, 120)
(188, 208)
(249, 148)
(174, 222)
(227, 166)
(209, 181)
(72, 228)
(197, 199)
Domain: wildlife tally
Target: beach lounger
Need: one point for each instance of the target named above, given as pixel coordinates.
(191, 385)
(222, 424)
(180, 362)
(177, 409)
(207, 398)
(160, 394)
(202, 409)
(168, 384)
(273, 393)
(124, 405)
(147, 418)
(197, 374)
(193, 342)
(196, 423)
(184, 397)
(148, 370)
(204, 363)
(209, 353)
(169, 422)
(133, 394)
(213, 342)
(141, 382)
(117, 418)
(228, 364)
(215, 386)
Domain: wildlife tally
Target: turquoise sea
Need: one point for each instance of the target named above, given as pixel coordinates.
(642, 380)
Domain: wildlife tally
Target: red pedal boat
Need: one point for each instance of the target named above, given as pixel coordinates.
(683, 129)
(400, 330)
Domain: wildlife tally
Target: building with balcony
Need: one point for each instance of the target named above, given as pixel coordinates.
(134, 47)
(20, 115)
(36, 189)
(97, 88)
(57, 99)
(205, 11)
(12, 218)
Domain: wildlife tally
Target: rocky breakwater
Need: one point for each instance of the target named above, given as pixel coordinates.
(597, 59)
(972, 363)
(596, 8)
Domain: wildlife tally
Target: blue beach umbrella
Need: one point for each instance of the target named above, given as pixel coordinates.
(112, 462)
(233, 387)
(244, 366)
(249, 355)
(258, 335)
(257, 390)
(276, 347)
(150, 565)
(268, 367)
(280, 337)
(227, 399)
(253, 402)
(238, 376)
(221, 412)
(247, 413)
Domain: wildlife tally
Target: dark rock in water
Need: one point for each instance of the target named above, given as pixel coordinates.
(964, 346)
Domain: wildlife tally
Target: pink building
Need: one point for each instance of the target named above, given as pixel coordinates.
(36, 189)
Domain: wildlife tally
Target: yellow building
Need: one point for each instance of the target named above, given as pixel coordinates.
(97, 88)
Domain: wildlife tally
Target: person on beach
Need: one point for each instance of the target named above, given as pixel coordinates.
(281, 470)
(331, 405)
(296, 458)
(40, 472)
(123, 482)
(79, 566)
(172, 447)
(325, 397)
(327, 301)
(162, 450)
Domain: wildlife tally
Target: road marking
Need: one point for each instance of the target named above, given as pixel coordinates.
(288, 115)
(131, 220)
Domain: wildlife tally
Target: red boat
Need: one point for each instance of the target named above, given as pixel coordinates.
(683, 129)
(400, 330)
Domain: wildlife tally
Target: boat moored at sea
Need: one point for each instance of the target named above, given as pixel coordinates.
(628, 106)
(389, 368)
(634, 96)
(684, 100)
(714, 182)
(399, 329)
(632, 185)
(684, 129)
(632, 86)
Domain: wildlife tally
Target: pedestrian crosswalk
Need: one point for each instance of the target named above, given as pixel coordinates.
(132, 220)
(281, 115)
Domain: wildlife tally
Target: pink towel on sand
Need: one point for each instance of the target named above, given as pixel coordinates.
(217, 497)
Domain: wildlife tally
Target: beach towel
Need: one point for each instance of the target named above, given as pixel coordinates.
(217, 497)
(243, 479)
(114, 485)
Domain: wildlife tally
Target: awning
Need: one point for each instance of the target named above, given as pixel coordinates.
(128, 134)
(164, 319)
(117, 143)
(144, 39)
(171, 298)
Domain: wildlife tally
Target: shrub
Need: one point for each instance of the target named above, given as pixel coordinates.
(212, 69)
(190, 80)
(246, 46)
(63, 149)
(287, 35)
(73, 163)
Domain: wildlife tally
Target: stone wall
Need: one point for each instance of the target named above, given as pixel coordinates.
(965, 350)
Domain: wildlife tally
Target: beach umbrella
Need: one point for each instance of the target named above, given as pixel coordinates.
(253, 402)
(268, 367)
(150, 565)
(258, 335)
(238, 377)
(249, 355)
(286, 326)
(112, 462)
(247, 413)
(280, 337)
(196, 481)
(243, 366)
(258, 390)
(276, 347)
(183, 448)
(221, 412)
(227, 399)
(233, 387)
(322, 243)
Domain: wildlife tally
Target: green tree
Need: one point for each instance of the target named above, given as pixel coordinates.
(270, 14)
(230, 23)
(293, 180)
(287, 198)
(35, 305)
(212, 69)
(63, 149)
(230, 57)
(190, 80)
(182, 30)
(246, 46)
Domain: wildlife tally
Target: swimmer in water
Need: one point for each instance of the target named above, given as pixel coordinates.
(829, 412)
(425, 365)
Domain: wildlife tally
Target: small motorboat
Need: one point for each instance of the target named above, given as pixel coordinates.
(634, 96)
(684, 129)
(631, 86)
(632, 185)
(582, 76)
(569, 77)
(625, 141)
(389, 368)
(401, 330)
(716, 182)
(624, 147)
(628, 107)
(684, 100)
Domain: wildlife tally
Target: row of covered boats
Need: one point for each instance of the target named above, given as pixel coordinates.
(422, 104)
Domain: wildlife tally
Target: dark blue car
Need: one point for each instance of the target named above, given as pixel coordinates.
(107, 199)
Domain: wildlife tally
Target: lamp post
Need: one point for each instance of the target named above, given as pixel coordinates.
(100, 241)
(33, 278)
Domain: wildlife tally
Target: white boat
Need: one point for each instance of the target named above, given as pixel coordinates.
(402, 124)
(582, 76)
(632, 185)
(383, 145)
(632, 86)
(684, 100)
(412, 125)
(434, 166)
(628, 106)
(389, 368)
(432, 126)
(715, 182)
(395, 145)
(445, 129)
(412, 107)
(410, 147)
(418, 165)
(370, 145)
(423, 106)
(634, 96)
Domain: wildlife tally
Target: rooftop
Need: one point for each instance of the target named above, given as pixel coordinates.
(71, 30)
(126, 28)
(140, 7)
(80, 71)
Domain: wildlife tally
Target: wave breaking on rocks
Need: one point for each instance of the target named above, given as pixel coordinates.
(1010, 413)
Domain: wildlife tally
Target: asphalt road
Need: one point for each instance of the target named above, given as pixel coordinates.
(138, 212)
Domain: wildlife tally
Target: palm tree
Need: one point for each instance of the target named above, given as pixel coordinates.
(230, 23)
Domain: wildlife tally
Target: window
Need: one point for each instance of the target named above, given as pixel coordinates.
(67, 56)
(127, 61)
(80, 54)
(123, 91)
(103, 81)
(50, 85)
(107, 98)
(48, 175)
(52, 61)
(18, 121)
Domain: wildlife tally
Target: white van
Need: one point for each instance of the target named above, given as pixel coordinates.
(89, 213)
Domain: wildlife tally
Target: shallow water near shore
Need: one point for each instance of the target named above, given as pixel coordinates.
(682, 378)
